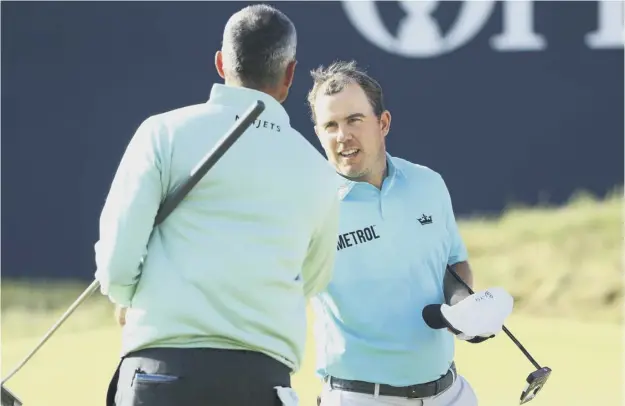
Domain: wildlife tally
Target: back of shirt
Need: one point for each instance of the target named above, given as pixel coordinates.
(231, 265)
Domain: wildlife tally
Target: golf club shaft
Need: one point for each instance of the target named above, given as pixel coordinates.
(170, 203)
(92, 288)
(505, 330)
(210, 159)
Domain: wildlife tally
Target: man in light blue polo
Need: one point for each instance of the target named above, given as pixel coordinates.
(397, 234)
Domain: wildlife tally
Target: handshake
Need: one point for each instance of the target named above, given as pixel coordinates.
(475, 318)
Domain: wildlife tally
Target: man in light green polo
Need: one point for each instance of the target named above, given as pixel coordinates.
(216, 311)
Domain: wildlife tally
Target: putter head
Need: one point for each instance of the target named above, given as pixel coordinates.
(9, 399)
(535, 382)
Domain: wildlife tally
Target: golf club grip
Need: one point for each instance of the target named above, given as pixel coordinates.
(170, 203)
(210, 159)
(505, 330)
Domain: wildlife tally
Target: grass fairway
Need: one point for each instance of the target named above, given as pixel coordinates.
(74, 367)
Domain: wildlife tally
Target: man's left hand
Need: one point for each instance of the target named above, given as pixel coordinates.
(472, 340)
(480, 316)
(477, 340)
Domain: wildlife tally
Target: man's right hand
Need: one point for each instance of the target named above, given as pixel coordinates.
(120, 315)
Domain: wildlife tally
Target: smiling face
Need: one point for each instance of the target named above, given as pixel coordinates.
(351, 134)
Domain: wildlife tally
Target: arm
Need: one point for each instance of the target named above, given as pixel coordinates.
(127, 218)
(454, 290)
(319, 262)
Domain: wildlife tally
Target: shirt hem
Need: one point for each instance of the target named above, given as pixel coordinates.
(217, 345)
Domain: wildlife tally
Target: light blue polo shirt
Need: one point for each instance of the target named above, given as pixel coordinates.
(392, 249)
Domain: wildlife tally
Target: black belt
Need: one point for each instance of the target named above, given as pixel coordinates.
(422, 390)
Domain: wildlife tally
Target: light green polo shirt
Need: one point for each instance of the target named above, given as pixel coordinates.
(232, 266)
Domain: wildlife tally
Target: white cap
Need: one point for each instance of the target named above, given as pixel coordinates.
(481, 314)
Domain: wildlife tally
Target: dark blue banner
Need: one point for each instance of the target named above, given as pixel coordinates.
(509, 101)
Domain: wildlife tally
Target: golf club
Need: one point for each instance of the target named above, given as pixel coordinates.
(537, 379)
(9, 399)
(169, 204)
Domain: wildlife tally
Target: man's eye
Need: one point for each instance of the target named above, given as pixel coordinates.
(330, 126)
(354, 120)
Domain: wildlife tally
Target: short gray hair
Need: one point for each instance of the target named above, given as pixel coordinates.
(335, 77)
(259, 41)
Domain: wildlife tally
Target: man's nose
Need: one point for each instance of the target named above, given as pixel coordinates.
(343, 135)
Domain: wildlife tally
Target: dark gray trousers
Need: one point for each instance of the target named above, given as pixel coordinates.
(197, 377)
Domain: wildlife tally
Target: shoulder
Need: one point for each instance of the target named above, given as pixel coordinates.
(419, 175)
(312, 166)
(163, 128)
(156, 123)
(183, 115)
(310, 157)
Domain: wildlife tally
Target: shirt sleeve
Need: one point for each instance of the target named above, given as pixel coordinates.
(457, 249)
(127, 219)
(319, 262)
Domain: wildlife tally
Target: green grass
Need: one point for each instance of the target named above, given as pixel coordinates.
(557, 262)
(74, 367)
(563, 266)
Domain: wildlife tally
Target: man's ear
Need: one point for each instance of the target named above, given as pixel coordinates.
(385, 122)
(219, 64)
(289, 74)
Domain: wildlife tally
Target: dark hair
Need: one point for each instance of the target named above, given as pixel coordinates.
(334, 78)
(258, 43)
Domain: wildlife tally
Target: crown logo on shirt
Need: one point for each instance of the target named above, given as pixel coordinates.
(425, 220)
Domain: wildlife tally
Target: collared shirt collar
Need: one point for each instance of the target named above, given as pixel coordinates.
(244, 97)
(393, 173)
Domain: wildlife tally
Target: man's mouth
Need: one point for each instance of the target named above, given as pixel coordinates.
(349, 153)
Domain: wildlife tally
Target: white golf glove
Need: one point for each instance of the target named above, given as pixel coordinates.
(480, 316)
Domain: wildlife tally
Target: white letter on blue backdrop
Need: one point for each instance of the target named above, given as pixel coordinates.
(518, 28)
(609, 33)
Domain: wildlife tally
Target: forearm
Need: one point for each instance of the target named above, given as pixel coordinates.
(120, 250)
(453, 289)
(319, 266)
(127, 219)
(317, 283)
(319, 263)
